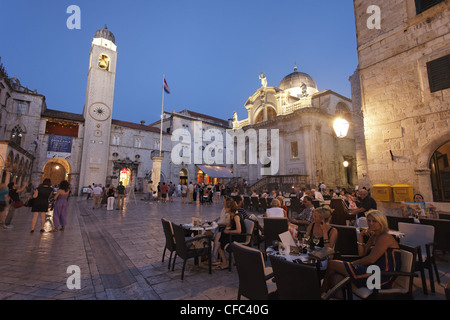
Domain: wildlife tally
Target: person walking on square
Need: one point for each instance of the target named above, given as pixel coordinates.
(184, 190)
(14, 196)
(61, 206)
(150, 191)
(121, 193)
(164, 189)
(191, 192)
(110, 194)
(89, 191)
(41, 198)
(97, 196)
(3, 199)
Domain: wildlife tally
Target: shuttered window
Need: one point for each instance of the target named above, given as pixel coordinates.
(423, 5)
(439, 73)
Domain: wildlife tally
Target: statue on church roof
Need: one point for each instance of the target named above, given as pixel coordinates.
(263, 79)
(235, 117)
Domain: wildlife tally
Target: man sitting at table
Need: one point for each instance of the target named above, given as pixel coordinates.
(304, 218)
(366, 203)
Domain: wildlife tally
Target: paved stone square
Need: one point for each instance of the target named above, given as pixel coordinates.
(119, 255)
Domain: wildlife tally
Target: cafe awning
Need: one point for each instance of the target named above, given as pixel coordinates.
(216, 171)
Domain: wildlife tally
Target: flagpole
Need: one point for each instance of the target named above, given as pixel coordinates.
(162, 111)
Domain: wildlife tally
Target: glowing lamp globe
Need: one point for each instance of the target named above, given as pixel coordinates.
(341, 127)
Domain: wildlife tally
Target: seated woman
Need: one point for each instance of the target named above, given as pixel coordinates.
(418, 207)
(236, 227)
(223, 221)
(282, 204)
(381, 249)
(276, 211)
(321, 228)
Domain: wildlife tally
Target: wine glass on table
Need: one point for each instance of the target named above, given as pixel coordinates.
(316, 241)
(306, 240)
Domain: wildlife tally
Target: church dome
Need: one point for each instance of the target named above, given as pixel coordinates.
(105, 34)
(296, 80)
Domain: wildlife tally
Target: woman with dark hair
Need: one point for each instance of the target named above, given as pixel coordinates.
(61, 206)
(14, 196)
(40, 203)
(236, 227)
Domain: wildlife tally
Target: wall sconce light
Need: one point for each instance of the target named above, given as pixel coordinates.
(341, 127)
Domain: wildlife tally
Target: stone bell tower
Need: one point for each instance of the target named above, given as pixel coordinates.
(98, 107)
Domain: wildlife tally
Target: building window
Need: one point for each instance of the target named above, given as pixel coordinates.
(294, 150)
(439, 73)
(137, 142)
(423, 5)
(22, 108)
(156, 144)
(116, 140)
(16, 135)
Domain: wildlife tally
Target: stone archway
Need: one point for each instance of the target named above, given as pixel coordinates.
(423, 170)
(57, 170)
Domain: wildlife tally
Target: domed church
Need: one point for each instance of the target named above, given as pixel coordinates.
(307, 151)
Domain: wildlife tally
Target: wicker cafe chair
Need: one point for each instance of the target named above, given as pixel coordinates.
(249, 226)
(255, 204)
(346, 247)
(421, 236)
(247, 203)
(185, 251)
(297, 281)
(262, 205)
(254, 278)
(393, 221)
(403, 288)
(296, 206)
(441, 233)
(170, 239)
(272, 228)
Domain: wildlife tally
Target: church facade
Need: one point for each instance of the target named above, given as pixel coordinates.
(309, 152)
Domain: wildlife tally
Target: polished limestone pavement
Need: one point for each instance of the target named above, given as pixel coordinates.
(119, 255)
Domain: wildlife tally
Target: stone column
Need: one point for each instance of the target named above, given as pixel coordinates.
(156, 171)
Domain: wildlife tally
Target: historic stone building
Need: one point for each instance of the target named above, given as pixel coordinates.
(308, 151)
(404, 91)
(191, 134)
(91, 147)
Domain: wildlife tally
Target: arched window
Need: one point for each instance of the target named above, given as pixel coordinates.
(259, 117)
(440, 173)
(271, 113)
(17, 134)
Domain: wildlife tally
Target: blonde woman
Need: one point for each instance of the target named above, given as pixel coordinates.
(380, 249)
(276, 211)
(321, 228)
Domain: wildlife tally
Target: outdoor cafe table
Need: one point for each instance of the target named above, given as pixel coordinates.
(303, 258)
(201, 229)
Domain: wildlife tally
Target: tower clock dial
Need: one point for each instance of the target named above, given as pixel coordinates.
(99, 111)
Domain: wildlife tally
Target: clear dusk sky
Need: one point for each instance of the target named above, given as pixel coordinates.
(211, 51)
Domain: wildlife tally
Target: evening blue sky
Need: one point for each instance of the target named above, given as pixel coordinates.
(211, 51)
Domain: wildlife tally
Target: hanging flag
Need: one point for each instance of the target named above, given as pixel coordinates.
(166, 87)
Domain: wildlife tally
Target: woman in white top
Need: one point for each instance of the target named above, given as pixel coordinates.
(276, 211)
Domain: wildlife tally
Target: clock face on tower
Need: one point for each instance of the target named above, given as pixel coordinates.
(99, 111)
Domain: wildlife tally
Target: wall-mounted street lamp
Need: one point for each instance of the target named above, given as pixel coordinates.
(341, 127)
(346, 164)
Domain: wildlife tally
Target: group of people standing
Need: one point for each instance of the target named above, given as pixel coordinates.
(40, 200)
(108, 196)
